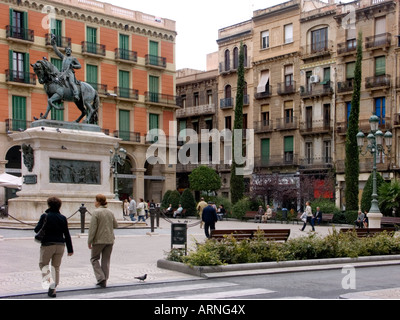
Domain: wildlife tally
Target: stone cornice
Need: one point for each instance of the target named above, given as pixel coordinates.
(110, 21)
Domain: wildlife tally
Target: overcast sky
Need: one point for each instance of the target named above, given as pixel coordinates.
(197, 22)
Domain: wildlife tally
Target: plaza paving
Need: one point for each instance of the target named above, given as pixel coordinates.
(135, 253)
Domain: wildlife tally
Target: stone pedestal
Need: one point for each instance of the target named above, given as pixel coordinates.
(374, 220)
(70, 161)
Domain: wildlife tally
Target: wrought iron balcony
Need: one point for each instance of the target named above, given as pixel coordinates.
(377, 81)
(378, 41)
(127, 93)
(350, 46)
(21, 77)
(20, 33)
(93, 48)
(287, 87)
(126, 55)
(345, 86)
(316, 90)
(155, 61)
(16, 125)
(266, 94)
(287, 123)
(263, 126)
(226, 103)
(127, 135)
(62, 42)
(153, 97)
(99, 87)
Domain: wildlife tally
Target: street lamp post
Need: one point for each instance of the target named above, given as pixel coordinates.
(118, 157)
(375, 146)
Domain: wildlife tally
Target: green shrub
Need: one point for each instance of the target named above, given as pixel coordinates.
(335, 245)
(188, 202)
(240, 208)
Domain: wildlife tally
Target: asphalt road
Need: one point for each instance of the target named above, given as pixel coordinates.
(326, 284)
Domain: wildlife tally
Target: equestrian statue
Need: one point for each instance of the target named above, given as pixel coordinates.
(62, 85)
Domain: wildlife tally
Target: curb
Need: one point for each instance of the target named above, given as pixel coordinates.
(275, 267)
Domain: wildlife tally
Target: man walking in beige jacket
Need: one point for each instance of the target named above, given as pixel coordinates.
(101, 239)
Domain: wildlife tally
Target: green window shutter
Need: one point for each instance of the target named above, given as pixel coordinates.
(124, 46)
(153, 52)
(57, 114)
(18, 112)
(11, 17)
(182, 128)
(11, 64)
(289, 147)
(91, 37)
(124, 84)
(26, 68)
(25, 23)
(265, 151)
(57, 63)
(91, 75)
(124, 124)
(153, 124)
(380, 66)
(153, 88)
(56, 29)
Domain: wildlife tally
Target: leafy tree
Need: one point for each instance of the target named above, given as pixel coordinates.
(237, 181)
(389, 198)
(174, 199)
(204, 179)
(188, 202)
(164, 201)
(352, 169)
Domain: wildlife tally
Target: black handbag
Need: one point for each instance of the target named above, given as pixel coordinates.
(42, 232)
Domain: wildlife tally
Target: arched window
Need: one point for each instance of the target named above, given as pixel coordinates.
(235, 58)
(228, 92)
(227, 60)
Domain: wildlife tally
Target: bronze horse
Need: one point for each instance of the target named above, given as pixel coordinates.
(57, 91)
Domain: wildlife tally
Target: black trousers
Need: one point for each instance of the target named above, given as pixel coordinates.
(208, 226)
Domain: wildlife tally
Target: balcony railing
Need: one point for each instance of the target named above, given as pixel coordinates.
(377, 81)
(316, 89)
(16, 125)
(196, 111)
(155, 61)
(20, 77)
(126, 93)
(266, 94)
(99, 87)
(287, 87)
(316, 126)
(62, 42)
(226, 103)
(380, 40)
(288, 159)
(318, 48)
(126, 55)
(153, 97)
(93, 48)
(288, 123)
(127, 135)
(20, 33)
(263, 126)
(349, 46)
(345, 86)
(316, 163)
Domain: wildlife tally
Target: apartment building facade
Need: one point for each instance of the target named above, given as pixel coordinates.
(127, 56)
(299, 75)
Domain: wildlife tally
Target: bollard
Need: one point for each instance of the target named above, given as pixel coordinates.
(152, 215)
(83, 211)
(158, 216)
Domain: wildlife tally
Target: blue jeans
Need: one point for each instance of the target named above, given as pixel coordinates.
(141, 218)
(132, 216)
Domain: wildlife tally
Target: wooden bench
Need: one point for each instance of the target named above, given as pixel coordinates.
(251, 215)
(368, 232)
(182, 214)
(327, 217)
(268, 234)
(390, 221)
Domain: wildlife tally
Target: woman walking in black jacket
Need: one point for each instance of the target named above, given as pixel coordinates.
(53, 244)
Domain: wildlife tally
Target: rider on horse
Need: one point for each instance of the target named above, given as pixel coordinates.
(69, 63)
